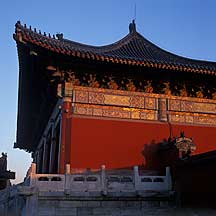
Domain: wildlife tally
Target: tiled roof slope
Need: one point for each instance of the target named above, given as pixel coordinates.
(133, 49)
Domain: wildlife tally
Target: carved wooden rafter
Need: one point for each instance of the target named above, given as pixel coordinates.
(93, 80)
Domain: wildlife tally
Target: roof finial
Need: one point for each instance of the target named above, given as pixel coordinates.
(132, 27)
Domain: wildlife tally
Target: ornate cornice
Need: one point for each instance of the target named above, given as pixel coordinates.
(140, 106)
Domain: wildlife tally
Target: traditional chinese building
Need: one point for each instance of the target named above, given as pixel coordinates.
(85, 105)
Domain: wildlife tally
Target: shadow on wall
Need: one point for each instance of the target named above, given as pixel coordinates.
(159, 155)
(149, 153)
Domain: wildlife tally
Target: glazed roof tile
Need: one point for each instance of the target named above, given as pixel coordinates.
(133, 49)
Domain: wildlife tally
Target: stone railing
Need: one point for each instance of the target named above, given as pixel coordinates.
(138, 105)
(102, 181)
(84, 193)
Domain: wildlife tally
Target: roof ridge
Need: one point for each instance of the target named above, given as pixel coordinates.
(59, 37)
(19, 26)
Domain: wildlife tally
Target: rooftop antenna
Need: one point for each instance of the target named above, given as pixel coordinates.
(134, 12)
(132, 25)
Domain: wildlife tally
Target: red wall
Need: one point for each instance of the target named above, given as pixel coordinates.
(89, 143)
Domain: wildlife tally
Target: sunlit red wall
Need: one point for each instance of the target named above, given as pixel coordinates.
(90, 142)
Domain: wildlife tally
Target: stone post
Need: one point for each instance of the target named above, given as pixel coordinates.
(44, 155)
(33, 174)
(103, 180)
(52, 147)
(67, 169)
(136, 178)
(168, 179)
(33, 168)
(67, 179)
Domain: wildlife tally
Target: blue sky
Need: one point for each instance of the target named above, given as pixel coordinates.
(185, 27)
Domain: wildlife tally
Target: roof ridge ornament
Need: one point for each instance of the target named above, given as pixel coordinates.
(60, 36)
(132, 27)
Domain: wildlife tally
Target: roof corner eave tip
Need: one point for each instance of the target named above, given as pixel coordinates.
(15, 145)
(21, 147)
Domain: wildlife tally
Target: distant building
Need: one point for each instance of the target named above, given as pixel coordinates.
(85, 105)
(5, 175)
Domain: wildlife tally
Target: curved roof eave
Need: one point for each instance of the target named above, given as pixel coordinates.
(133, 49)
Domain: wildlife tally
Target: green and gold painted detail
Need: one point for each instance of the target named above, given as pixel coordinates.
(114, 112)
(142, 106)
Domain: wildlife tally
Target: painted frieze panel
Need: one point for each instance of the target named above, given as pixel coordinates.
(193, 118)
(135, 115)
(137, 105)
(80, 110)
(151, 116)
(190, 106)
(187, 106)
(204, 107)
(117, 100)
(96, 97)
(97, 112)
(174, 104)
(113, 113)
(117, 112)
(177, 117)
(148, 115)
(143, 115)
(89, 111)
(137, 101)
(81, 96)
(150, 103)
(205, 119)
(189, 119)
